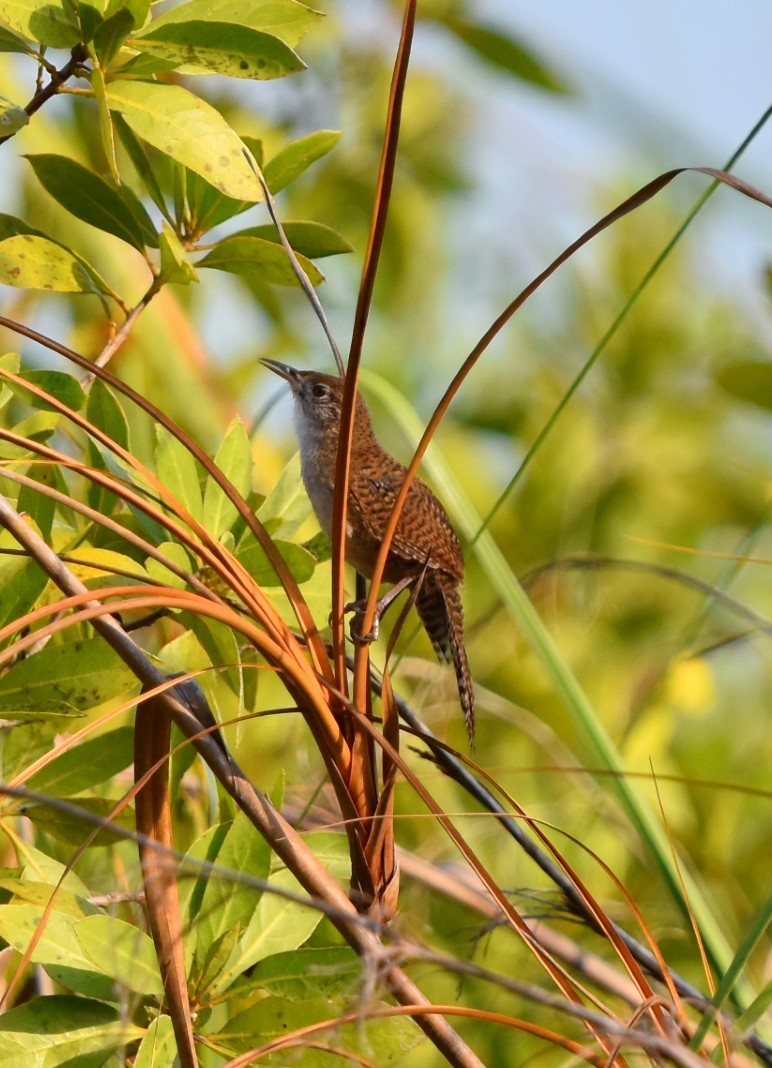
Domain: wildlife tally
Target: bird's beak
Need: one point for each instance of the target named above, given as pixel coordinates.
(283, 370)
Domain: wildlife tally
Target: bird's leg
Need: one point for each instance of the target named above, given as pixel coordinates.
(358, 607)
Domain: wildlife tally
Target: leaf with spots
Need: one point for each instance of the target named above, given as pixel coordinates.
(219, 48)
(65, 679)
(31, 262)
(188, 130)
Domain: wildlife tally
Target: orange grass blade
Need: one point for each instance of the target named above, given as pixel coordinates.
(367, 284)
(630, 204)
(152, 741)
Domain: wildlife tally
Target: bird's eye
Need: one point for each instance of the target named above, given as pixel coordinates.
(320, 391)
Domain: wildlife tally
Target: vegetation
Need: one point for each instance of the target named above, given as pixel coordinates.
(217, 846)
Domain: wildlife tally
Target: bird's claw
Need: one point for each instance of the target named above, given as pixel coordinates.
(358, 608)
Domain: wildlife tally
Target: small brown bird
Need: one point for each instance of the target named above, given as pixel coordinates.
(424, 542)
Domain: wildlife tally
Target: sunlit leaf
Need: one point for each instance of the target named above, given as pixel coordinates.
(310, 239)
(61, 386)
(234, 458)
(187, 129)
(63, 1029)
(21, 580)
(178, 471)
(287, 505)
(311, 971)
(9, 361)
(158, 1048)
(9, 42)
(92, 761)
(257, 258)
(216, 903)
(286, 19)
(105, 412)
(297, 157)
(177, 554)
(219, 48)
(175, 265)
(252, 556)
(65, 679)
(121, 951)
(30, 262)
(52, 23)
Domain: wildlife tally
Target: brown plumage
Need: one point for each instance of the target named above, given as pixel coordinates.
(424, 538)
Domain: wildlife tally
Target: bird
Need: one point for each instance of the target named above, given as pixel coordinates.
(424, 549)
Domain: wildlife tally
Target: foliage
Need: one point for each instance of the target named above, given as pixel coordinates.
(161, 571)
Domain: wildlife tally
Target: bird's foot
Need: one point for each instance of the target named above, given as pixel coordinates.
(355, 630)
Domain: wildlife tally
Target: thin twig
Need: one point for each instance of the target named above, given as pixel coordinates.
(58, 78)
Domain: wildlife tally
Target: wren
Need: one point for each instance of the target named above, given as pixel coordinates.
(424, 548)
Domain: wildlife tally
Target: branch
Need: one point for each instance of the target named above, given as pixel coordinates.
(58, 78)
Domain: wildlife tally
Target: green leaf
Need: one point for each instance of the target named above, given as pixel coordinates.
(120, 951)
(748, 380)
(72, 828)
(287, 506)
(21, 581)
(328, 971)
(178, 471)
(503, 51)
(51, 23)
(226, 903)
(22, 743)
(219, 48)
(138, 154)
(297, 157)
(12, 117)
(39, 507)
(58, 384)
(257, 258)
(281, 18)
(105, 412)
(57, 945)
(90, 19)
(251, 555)
(278, 924)
(158, 1048)
(62, 1030)
(64, 679)
(273, 1017)
(9, 361)
(177, 554)
(9, 42)
(29, 262)
(112, 34)
(90, 763)
(11, 226)
(95, 200)
(310, 239)
(189, 131)
(175, 265)
(234, 458)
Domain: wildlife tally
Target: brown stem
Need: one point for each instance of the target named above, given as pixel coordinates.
(284, 840)
(58, 78)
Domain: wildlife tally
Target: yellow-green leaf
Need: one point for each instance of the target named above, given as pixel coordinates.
(30, 262)
(189, 130)
(219, 48)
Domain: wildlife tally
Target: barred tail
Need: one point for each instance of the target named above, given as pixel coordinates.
(439, 606)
